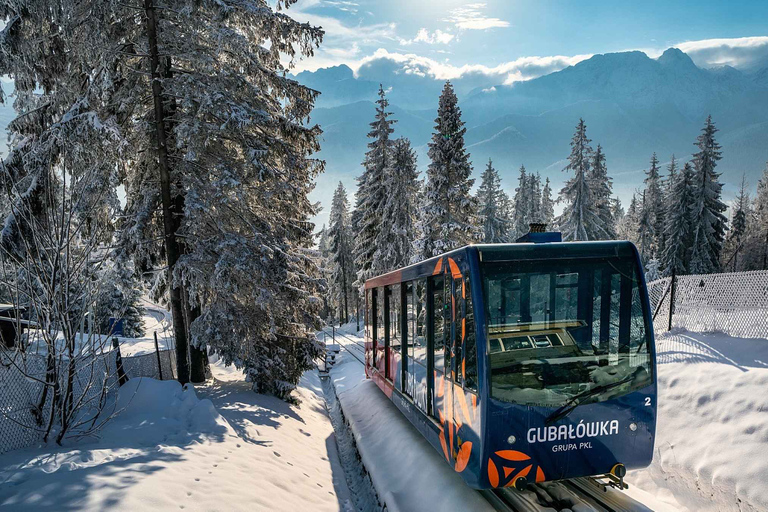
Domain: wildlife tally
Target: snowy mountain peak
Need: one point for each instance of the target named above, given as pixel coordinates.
(675, 57)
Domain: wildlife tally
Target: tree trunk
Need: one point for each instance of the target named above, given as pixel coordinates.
(170, 223)
(197, 356)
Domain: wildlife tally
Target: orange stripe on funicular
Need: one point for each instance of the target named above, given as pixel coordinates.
(474, 406)
(493, 474)
(462, 459)
(539, 475)
(442, 443)
(438, 267)
(455, 272)
(512, 455)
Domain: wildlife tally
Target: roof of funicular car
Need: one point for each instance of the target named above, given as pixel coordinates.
(511, 252)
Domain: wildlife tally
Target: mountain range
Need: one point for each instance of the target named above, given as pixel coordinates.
(633, 105)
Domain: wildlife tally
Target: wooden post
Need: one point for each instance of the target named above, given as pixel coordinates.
(122, 378)
(673, 285)
(159, 363)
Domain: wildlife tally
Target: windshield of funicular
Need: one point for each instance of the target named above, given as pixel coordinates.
(560, 328)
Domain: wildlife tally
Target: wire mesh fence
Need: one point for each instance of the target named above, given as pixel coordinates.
(24, 409)
(734, 303)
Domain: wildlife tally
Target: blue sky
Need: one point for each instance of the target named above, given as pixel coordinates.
(523, 39)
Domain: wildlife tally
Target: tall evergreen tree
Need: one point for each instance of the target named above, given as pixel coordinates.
(602, 188)
(535, 213)
(654, 202)
(491, 201)
(547, 204)
(679, 223)
(645, 230)
(734, 242)
(371, 192)
(339, 247)
(627, 229)
(756, 250)
(521, 201)
(446, 217)
(710, 223)
(399, 214)
(211, 142)
(580, 219)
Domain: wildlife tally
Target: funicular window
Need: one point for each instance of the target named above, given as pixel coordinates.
(372, 322)
(416, 339)
(563, 328)
(420, 340)
(438, 301)
(470, 344)
(395, 330)
(380, 327)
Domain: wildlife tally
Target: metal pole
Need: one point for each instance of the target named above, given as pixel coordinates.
(672, 299)
(334, 334)
(159, 364)
(122, 378)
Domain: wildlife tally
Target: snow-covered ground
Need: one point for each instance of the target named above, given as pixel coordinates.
(219, 447)
(223, 447)
(712, 435)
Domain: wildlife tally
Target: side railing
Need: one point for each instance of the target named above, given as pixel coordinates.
(735, 303)
(21, 387)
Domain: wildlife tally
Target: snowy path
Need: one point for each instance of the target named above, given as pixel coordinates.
(170, 450)
(712, 435)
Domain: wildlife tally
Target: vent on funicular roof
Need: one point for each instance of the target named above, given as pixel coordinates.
(538, 234)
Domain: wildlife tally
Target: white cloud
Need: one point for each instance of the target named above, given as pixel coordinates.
(471, 17)
(424, 36)
(524, 68)
(740, 52)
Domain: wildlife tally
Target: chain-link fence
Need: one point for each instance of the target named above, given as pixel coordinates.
(25, 408)
(733, 303)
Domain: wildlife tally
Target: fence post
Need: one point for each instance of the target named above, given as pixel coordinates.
(334, 334)
(672, 298)
(159, 364)
(122, 378)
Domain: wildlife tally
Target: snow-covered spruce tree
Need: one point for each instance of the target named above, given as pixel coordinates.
(522, 205)
(709, 221)
(645, 230)
(535, 212)
(399, 212)
(547, 204)
(617, 212)
(324, 265)
(679, 223)
(601, 186)
(628, 227)
(448, 207)
(340, 248)
(734, 241)
(491, 213)
(371, 192)
(119, 297)
(580, 219)
(756, 245)
(653, 201)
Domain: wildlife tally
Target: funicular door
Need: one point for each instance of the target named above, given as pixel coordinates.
(454, 287)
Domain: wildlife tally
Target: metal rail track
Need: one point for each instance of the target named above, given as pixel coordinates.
(585, 490)
(345, 347)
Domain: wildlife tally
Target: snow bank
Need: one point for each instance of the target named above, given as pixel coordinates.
(407, 472)
(712, 435)
(217, 447)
